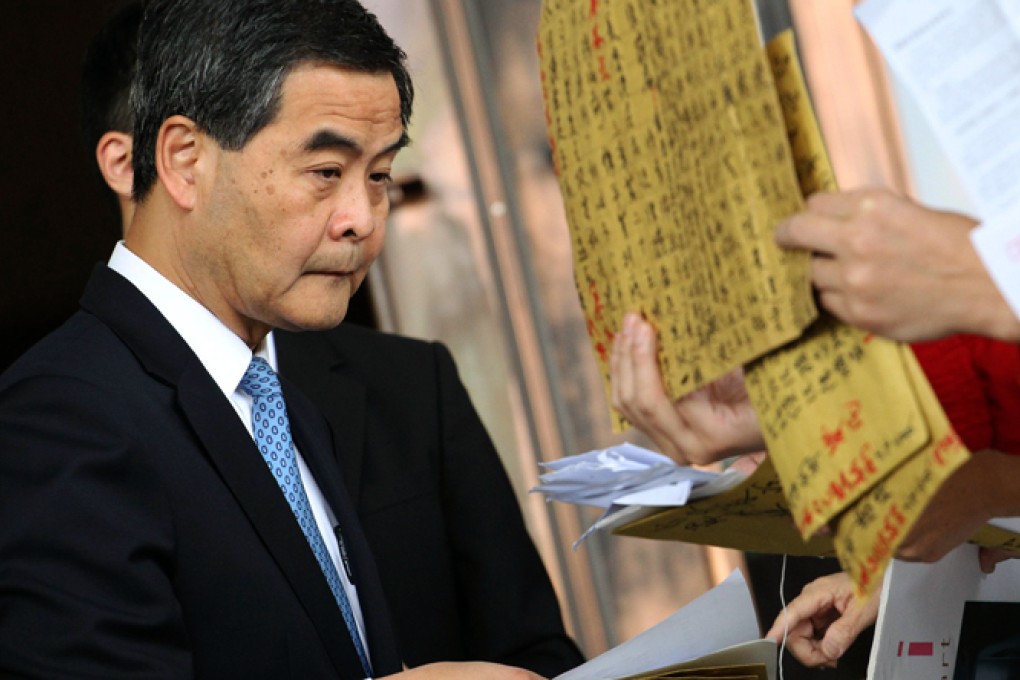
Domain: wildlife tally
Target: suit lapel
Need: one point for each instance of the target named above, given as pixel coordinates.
(314, 442)
(237, 459)
(230, 448)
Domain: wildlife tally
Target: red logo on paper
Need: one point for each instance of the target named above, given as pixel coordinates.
(917, 649)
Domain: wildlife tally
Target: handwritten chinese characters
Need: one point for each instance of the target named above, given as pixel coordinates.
(673, 162)
(868, 534)
(824, 403)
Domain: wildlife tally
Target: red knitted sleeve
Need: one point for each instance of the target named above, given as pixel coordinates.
(950, 370)
(998, 365)
(977, 381)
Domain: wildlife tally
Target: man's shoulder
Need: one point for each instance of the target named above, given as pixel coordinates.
(82, 346)
(81, 367)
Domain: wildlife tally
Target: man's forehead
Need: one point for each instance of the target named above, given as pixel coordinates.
(331, 107)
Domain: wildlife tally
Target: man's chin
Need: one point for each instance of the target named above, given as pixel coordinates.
(315, 304)
(313, 322)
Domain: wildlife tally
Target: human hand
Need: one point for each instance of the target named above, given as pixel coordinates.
(989, 557)
(464, 670)
(891, 266)
(822, 622)
(980, 489)
(713, 422)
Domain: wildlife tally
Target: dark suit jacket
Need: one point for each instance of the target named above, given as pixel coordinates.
(142, 535)
(461, 574)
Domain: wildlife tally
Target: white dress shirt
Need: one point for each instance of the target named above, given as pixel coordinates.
(226, 357)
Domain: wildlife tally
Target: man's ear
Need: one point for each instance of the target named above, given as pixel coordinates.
(179, 148)
(113, 154)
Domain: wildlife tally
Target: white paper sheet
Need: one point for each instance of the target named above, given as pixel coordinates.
(721, 618)
(960, 60)
(620, 475)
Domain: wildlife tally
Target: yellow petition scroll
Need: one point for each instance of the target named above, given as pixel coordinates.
(673, 163)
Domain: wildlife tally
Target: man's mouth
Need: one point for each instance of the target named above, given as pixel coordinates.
(335, 268)
(334, 273)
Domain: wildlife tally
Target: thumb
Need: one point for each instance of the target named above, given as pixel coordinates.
(989, 557)
(836, 641)
(841, 634)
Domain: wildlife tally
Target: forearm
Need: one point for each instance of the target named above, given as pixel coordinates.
(982, 488)
(959, 295)
(1000, 495)
(976, 305)
(994, 304)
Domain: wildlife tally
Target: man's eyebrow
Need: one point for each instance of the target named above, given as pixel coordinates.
(328, 139)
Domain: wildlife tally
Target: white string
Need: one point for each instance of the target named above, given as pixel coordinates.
(786, 615)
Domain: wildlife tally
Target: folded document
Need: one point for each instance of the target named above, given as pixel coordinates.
(629, 482)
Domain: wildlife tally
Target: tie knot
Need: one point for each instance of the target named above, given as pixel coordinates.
(260, 379)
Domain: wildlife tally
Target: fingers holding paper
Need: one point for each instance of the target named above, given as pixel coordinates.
(894, 267)
(822, 622)
(989, 557)
(712, 423)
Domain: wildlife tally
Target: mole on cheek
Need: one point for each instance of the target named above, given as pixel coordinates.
(270, 189)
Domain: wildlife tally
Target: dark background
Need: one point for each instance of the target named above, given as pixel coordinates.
(57, 219)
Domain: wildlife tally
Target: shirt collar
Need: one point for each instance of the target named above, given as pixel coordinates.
(223, 354)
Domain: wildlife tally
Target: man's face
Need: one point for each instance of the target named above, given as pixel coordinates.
(292, 221)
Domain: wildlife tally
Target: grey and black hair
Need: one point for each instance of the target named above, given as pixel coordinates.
(222, 64)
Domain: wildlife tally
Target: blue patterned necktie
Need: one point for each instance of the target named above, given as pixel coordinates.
(271, 428)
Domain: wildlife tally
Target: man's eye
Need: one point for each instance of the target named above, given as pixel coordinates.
(381, 177)
(328, 173)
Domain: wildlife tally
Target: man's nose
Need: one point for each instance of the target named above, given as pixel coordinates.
(356, 214)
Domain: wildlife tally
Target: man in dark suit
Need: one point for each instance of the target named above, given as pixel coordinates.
(461, 574)
(425, 478)
(167, 509)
